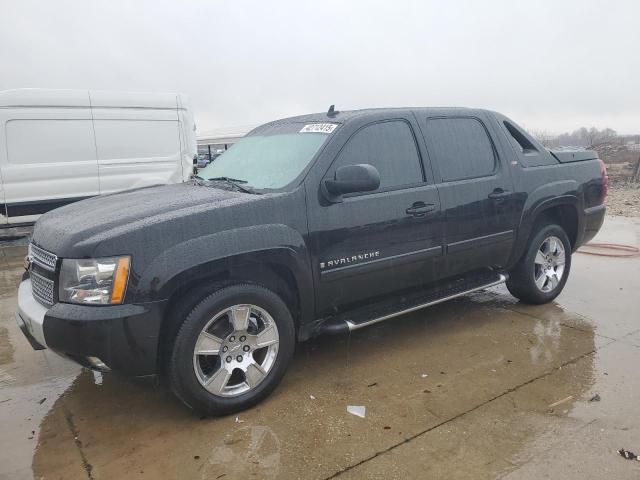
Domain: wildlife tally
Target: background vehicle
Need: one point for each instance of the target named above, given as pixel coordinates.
(323, 223)
(203, 160)
(67, 145)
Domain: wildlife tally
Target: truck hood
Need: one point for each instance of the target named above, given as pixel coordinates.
(76, 229)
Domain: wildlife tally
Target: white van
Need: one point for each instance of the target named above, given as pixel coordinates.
(61, 146)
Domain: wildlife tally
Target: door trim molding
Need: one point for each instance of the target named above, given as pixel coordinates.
(484, 240)
(379, 263)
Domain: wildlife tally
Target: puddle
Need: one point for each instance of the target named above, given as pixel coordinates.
(473, 349)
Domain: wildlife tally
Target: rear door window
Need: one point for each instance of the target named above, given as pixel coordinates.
(461, 147)
(390, 147)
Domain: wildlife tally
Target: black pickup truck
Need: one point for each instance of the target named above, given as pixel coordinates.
(323, 223)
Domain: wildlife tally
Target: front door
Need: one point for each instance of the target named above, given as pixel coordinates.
(476, 192)
(382, 241)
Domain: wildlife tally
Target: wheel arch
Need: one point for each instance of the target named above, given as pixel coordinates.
(562, 210)
(274, 256)
(190, 286)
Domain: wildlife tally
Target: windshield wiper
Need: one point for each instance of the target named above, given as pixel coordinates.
(198, 180)
(233, 182)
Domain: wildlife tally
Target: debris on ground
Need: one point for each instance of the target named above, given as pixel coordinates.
(372, 384)
(424, 375)
(42, 401)
(595, 398)
(312, 397)
(628, 455)
(238, 420)
(560, 402)
(357, 410)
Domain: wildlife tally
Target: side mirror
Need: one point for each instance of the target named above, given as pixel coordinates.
(351, 179)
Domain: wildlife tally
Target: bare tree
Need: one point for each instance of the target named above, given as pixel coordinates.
(545, 137)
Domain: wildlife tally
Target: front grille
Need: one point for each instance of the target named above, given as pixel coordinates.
(42, 288)
(42, 257)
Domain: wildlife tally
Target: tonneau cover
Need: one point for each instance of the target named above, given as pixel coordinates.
(568, 156)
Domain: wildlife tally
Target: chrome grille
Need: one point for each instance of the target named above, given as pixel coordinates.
(42, 257)
(42, 288)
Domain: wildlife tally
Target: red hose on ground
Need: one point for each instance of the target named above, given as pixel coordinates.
(627, 250)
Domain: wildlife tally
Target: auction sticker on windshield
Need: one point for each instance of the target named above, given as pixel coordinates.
(319, 128)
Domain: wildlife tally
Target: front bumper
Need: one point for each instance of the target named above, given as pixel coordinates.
(124, 337)
(30, 316)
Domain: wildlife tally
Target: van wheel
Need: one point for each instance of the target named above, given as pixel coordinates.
(541, 273)
(232, 350)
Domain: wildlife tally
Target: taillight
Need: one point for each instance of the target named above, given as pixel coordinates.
(605, 180)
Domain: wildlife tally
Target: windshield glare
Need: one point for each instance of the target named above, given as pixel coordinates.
(269, 159)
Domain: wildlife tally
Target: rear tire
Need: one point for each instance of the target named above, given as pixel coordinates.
(232, 350)
(542, 272)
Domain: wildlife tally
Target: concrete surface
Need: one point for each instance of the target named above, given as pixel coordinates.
(460, 390)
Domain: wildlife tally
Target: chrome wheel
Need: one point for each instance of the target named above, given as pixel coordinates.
(549, 264)
(236, 350)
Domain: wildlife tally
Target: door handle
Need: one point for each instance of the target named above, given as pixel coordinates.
(420, 209)
(499, 193)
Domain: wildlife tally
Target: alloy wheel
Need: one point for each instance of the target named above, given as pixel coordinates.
(236, 350)
(549, 264)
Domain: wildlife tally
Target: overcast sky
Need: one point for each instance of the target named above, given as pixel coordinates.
(554, 65)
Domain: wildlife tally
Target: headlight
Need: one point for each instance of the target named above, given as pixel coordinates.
(97, 281)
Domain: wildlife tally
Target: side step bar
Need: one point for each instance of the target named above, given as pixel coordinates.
(345, 323)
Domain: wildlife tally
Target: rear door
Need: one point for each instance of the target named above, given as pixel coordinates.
(137, 147)
(476, 192)
(376, 242)
(48, 159)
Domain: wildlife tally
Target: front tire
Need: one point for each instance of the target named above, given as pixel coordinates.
(232, 350)
(542, 272)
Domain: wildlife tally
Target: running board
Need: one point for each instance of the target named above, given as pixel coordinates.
(354, 320)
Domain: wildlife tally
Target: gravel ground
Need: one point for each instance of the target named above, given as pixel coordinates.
(624, 199)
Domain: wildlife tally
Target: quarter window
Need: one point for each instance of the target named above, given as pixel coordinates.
(390, 147)
(461, 147)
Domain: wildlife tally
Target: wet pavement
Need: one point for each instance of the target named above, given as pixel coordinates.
(480, 387)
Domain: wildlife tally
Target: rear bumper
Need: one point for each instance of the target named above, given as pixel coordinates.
(593, 219)
(123, 337)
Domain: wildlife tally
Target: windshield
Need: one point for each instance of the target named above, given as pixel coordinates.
(271, 158)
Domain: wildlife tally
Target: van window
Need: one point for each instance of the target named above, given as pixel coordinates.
(461, 148)
(121, 139)
(49, 141)
(388, 146)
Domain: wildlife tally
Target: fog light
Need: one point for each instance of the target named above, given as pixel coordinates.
(98, 364)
